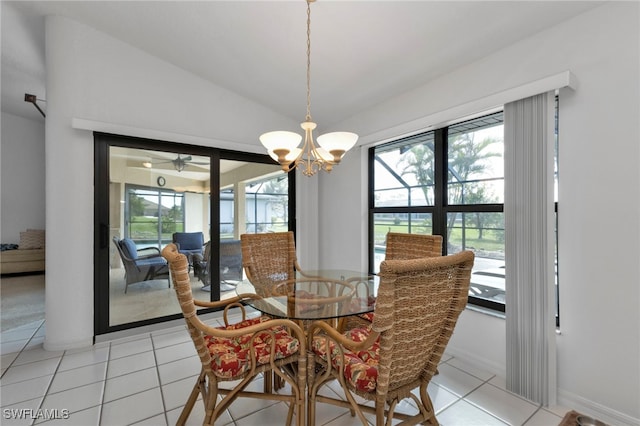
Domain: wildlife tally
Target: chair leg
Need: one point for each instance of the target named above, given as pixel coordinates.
(302, 409)
(290, 414)
(311, 409)
(268, 381)
(193, 397)
(212, 409)
(379, 413)
(428, 405)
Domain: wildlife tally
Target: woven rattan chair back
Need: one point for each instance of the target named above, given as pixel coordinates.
(268, 259)
(401, 247)
(291, 369)
(418, 304)
(417, 308)
(179, 267)
(412, 246)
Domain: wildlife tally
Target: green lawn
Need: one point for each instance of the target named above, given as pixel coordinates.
(491, 239)
(146, 228)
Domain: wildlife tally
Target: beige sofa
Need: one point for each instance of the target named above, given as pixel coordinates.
(29, 257)
(21, 260)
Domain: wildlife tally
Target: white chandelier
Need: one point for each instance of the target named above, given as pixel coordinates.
(282, 146)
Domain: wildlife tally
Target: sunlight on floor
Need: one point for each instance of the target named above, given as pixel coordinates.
(148, 299)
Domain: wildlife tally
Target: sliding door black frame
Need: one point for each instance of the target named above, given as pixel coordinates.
(102, 143)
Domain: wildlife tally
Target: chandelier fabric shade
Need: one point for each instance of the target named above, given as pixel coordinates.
(283, 146)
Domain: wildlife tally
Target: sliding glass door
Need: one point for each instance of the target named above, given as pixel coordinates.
(150, 194)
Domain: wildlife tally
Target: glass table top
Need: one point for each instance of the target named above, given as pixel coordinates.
(314, 294)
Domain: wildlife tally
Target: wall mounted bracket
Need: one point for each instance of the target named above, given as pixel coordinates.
(32, 99)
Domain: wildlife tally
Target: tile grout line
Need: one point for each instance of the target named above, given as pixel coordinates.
(27, 341)
(157, 366)
(46, 391)
(531, 416)
(487, 382)
(104, 385)
(130, 373)
(465, 396)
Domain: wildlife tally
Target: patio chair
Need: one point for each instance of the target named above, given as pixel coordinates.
(238, 353)
(419, 302)
(230, 261)
(201, 264)
(189, 243)
(230, 265)
(140, 264)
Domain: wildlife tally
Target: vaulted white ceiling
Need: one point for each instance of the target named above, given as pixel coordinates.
(362, 52)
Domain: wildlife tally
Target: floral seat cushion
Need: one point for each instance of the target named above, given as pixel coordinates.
(231, 357)
(361, 367)
(360, 302)
(368, 316)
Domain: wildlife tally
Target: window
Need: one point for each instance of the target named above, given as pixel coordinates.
(153, 215)
(267, 205)
(450, 182)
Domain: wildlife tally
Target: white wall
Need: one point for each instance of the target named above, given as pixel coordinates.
(196, 217)
(598, 352)
(22, 177)
(104, 84)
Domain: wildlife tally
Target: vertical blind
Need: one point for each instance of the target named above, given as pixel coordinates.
(529, 225)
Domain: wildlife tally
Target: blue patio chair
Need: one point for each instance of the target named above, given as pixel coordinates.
(141, 264)
(189, 243)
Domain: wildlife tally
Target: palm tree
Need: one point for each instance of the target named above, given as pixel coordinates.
(419, 161)
(466, 159)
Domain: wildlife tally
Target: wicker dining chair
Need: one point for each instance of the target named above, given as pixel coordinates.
(412, 246)
(269, 259)
(238, 353)
(400, 246)
(419, 301)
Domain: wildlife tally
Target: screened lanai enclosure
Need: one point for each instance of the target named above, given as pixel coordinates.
(195, 198)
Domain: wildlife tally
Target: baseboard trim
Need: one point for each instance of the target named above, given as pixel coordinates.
(63, 346)
(479, 362)
(595, 410)
(565, 398)
(162, 326)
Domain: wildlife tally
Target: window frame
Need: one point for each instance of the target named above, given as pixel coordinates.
(441, 207)
(160, 192)
(102, 242)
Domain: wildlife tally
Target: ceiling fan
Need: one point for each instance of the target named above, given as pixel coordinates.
(179, 163)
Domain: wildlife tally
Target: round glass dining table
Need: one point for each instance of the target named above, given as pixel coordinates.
(314, 294)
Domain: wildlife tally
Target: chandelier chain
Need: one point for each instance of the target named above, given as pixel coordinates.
(308, 118)
(283, 146)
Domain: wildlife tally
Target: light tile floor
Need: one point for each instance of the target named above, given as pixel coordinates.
(145, 380)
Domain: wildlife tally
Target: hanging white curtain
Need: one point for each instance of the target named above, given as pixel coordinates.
(529, 242)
